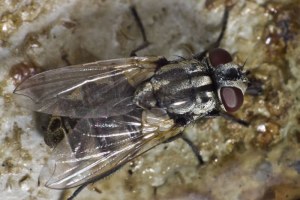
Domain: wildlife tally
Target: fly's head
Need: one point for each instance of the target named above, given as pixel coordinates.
(230, 80)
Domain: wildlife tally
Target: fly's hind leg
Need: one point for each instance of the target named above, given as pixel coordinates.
(77, 191)
(193, 147)
(97, 178)
(142, 29)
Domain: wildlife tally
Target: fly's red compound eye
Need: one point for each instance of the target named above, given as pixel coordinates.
(219, 56)
(232, 98)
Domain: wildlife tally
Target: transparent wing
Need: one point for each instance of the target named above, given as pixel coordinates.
(98, 147)
(99, 89)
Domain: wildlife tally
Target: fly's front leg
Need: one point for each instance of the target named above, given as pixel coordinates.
(216, 44)
(142, 29)
(234, 119)
(255, 86)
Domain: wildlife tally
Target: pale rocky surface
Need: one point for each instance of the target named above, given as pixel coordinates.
(259, 162)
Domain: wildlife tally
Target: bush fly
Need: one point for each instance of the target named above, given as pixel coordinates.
(124, 107)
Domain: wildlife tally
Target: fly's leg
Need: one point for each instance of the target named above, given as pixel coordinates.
(255, 86)
(77, 191)
(216, 44)
(171, 139)
(193, 147)
(234, 119)
(97, 178)
(142, 29)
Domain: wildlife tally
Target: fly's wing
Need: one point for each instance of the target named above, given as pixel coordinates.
(98, 147)
(99, 89)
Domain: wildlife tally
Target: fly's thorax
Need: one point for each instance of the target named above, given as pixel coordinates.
(182, 88)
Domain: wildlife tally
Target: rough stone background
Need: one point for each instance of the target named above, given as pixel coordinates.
(259, 162)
